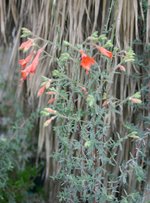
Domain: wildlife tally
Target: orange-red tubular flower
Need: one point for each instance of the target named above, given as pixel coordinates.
(25, 73)
(50, 110)
(105, 52)
(47, 122)
(32, 67)
(41, 90)
(51, 93)
(35, 61)
(51, 101)
(86, 61)
(26, 45)
(24, 62)
(122, 68)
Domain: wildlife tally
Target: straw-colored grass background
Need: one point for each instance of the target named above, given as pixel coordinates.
(75, 20)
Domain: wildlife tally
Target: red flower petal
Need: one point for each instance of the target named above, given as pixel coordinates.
(26, 45)
(51, 101)
(50, 93)
(122, 68)
(50, 110)
(25, 73)
(86, 61)
(105, 52)
(41, 90)
(35, 61)
(47, 122)
(23, 62)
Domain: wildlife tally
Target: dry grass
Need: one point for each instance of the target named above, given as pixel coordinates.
(75, 20)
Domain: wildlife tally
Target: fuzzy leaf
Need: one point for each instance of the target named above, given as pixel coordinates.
(56, 73)
(134, 135)
(137, 95)
(129, 56)
(90, 100)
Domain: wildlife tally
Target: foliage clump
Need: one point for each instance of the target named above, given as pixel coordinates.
(84, 111)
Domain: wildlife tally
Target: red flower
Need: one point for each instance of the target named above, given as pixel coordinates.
(121, 68)
(41, 90)
(105, 52)
(32, 67)
(86, 61)
(50, 93)
(26, 45)
(47, 122)
(35, 61)
(23, 62)
(25, 73)
(50, 110)
(51, 101)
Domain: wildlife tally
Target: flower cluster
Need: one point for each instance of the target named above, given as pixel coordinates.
(30, 63)
(87, 61)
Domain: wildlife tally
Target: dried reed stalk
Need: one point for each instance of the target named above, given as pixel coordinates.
(76, 20)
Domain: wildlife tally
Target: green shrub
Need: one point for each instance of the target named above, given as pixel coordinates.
(86, 115)
(88, 147)
(18, 172)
